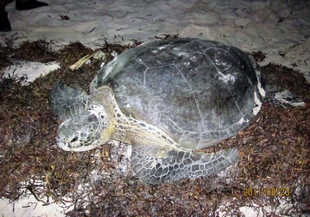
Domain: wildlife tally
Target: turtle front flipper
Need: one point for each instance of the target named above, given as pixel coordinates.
(67, 102)
(154, 166)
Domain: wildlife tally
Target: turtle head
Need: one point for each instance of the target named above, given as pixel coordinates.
(85, 131)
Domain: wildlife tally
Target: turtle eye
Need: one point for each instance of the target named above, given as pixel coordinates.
(76, 138)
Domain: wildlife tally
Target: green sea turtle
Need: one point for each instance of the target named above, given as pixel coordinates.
(167, 99)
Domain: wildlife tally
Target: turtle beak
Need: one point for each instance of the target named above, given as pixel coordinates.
(63, 145)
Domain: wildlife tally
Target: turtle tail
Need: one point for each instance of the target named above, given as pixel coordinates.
(158, 166)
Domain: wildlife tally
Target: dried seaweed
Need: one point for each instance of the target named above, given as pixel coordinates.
(274, 152)
(38, 51)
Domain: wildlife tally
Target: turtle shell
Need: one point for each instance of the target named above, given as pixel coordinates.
(197, 91)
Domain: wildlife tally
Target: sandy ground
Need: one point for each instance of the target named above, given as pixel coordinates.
(280, 29)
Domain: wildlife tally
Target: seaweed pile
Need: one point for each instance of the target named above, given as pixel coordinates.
(274, 151)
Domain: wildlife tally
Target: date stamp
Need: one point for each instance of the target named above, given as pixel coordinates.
(269, 192)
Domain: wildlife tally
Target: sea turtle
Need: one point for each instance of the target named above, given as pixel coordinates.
(167, 99)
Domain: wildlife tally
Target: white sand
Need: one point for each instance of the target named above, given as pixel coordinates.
(29, 206)
(252, 25)
(278, 28)
(31, 69)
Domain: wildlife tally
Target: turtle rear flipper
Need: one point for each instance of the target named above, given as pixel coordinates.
(278, 96)
(67, 102)
(154, 166)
